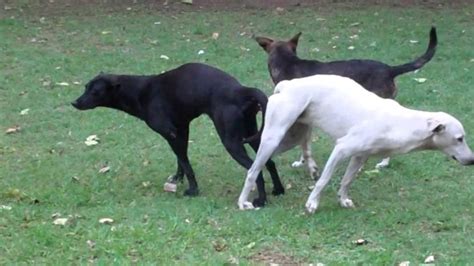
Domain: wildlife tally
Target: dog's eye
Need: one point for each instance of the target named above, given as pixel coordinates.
(460, 139)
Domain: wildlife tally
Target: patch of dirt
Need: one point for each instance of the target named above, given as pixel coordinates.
(101, 7)
(268, 256)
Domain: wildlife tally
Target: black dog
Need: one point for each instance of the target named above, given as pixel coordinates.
(170, 101)
(284, 64)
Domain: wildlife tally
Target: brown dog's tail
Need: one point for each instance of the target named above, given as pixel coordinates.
(257, 100)
(420, 61)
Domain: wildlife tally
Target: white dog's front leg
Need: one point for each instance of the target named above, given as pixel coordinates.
(338, 154)
(384, 163)
(355, 164)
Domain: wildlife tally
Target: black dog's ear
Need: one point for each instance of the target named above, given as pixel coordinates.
(293, 42)
(264, 42)
(113, 81)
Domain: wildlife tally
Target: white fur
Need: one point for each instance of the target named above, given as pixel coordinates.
(361, 123)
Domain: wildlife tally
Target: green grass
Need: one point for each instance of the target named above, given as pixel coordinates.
(419, 206)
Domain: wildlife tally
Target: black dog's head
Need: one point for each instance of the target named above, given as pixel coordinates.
(271, 46)
(99, 92)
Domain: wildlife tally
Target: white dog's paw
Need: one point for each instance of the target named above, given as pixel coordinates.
(246, 205)
(311, 206)
(297, 164)
(347, 203)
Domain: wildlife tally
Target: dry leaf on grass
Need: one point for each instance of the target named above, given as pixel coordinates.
(169, 187)
(106, 220)
(215, 35)
(24, 111)
(361, 242)
(165, 57)
(420, 80)
(104, 169)
(404, 263)
(64, 84)
(14, 129)
(60, 221)
(5, 207)
(430, 259)
(92, 140)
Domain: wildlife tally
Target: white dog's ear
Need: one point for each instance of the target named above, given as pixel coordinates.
(435, 126)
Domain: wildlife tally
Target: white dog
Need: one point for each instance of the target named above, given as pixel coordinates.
(362, 124)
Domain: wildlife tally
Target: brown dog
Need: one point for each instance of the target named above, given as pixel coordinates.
(375, 76)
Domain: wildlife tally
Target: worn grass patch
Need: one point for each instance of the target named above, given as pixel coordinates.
(421, 205)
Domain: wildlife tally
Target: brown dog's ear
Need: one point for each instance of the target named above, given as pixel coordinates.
(293, 42)
(264, 42)
(435, 126)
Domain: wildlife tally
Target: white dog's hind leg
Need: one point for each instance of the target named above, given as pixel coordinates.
(298, 163)
(355, 164)
(339, 153)
(384, 163)
(274, 130)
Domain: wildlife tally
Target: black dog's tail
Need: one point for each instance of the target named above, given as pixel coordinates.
(252, 96)
(420, 61)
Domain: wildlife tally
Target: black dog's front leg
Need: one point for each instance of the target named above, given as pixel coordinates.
(178, 140)
(178, 176)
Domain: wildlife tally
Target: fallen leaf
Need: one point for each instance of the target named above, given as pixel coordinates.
(315, 49)
(106, 32)
(420, 80)
(14, 129)
(430, 259)
(5, 207)
(414, 41)
(92, 140)
(371, 172)
(146, 183)
(354, 24)
(104, 169)
(355, 36)
(361, 242)
(60, 221)
(64, 84)
(24, 111)
(90, 244)
(55, 215)
(187, 221)
(106, 220)
(157, 23)
(76, 82)
(250, 245)
(280, 9)
(164, 57)
(188, 2)
(169, 187)
(215, 35)
(350, 48)
(404, 263)
(200, 52)
(472, 60)
(288, 186)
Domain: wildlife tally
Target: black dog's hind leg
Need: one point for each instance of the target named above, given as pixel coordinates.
(229, 125)
(251, 126)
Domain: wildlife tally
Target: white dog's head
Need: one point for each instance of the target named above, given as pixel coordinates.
(448, 136)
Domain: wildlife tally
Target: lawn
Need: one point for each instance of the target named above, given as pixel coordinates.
(421, 205)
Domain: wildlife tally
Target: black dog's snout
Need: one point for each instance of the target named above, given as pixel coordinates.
(74, 103)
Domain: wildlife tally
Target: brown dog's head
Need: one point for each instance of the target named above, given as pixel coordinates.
(270, 45)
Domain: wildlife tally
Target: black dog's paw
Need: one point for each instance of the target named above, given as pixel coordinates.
(190, 192)
(278, 191)
(258, 202)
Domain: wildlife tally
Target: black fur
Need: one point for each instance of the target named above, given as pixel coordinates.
(170, 101)
(284, 64)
